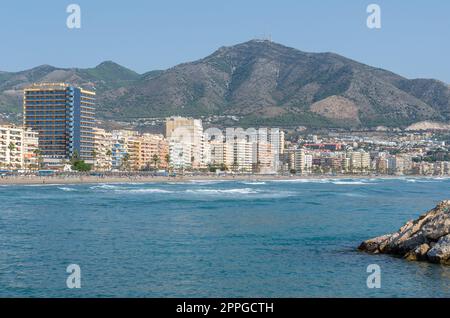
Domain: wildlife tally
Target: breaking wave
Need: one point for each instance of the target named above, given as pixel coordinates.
(143, 191)
(352, 183)
(105, 187)
(67, 189)
(224, 191)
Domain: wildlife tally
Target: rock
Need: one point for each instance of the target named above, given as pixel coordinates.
(440, 253)
(424, 239)
(419, 254)
(373, 245)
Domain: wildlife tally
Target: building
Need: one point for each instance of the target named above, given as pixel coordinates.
(277, 140)
(359, 161)
(154, 151)
(263, 158)
(18, 148)
(103, 144)
(242, 158)
(30, 149)
(63, 115)
(119, 151)
(221, 153)
(180, 155)
(303, 161)
(189, 133)
(268, 148)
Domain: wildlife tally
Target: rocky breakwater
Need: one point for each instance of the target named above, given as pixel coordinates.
(424, 239)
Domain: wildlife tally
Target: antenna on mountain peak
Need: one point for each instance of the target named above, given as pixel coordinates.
(264, 38)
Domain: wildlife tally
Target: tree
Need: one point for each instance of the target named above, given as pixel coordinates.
(11, 146)
(38, 154)
(125, 162)
(155, 160)
(81, 166)
(235, 165)
(78, 164)
(94, 157)
(75, 157)
(167, 159)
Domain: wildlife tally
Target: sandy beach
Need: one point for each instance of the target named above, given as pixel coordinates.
(33, 180)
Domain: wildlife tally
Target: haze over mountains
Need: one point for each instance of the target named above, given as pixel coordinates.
(262, 82)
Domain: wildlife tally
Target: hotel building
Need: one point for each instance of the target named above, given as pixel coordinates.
(63, 115)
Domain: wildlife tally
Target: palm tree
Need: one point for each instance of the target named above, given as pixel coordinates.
(167, 158)
(11, 148)
(94, 156)
(235, 165)
(155, 160)
(38, 154)
(75, 156)
(109, 157)
(126, 161)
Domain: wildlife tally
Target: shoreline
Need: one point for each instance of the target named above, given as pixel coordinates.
(64, 180)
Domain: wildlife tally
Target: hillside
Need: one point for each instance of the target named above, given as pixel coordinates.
(261, 81)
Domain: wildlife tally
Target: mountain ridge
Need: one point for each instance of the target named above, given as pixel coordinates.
(261, 82)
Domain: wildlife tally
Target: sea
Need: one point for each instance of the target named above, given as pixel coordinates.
(291, 238)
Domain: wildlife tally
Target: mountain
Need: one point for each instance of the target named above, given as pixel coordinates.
(106, 76)
(260, 81)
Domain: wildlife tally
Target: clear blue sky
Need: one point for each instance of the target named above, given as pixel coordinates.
(145, 35)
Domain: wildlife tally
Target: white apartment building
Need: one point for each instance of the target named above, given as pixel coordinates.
(276, 138)
(18, 148)
(359, 161)
(103, 144)
(180, 155)
(189, 133)
(265, 138)
(263, 158)
(242, 155)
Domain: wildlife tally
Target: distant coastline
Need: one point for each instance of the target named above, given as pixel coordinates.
(58, 180)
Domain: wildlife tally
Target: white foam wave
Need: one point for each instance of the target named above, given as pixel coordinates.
(223, 191)
(351, 183)
(65, 189)
(207, 182)
(105, 187)
(303, 180)
(143, 191)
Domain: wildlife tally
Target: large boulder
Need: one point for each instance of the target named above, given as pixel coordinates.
(424, 239)
(440, 253)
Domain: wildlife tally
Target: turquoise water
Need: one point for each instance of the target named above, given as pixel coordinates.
(213, 239)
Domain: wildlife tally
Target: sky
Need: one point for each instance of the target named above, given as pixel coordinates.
(144, 35)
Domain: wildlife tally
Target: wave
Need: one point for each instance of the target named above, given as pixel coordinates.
(303, 181)
(353, 195)
(105, 187)
(351, 183)
(207, 182)
(331, 181)
(142, 191)
(222, 191)
(254, 183)
(67, 189)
